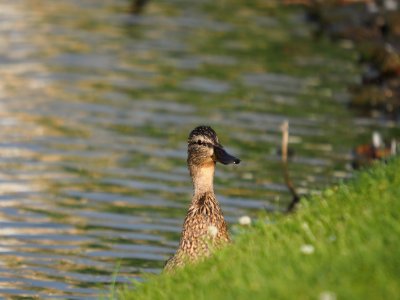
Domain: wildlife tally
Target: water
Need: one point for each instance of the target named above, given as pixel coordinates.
(95, 109)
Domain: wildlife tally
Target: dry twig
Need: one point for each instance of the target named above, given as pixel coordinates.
(288, 181)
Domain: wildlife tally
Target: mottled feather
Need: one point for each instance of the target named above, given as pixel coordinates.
(196, 240)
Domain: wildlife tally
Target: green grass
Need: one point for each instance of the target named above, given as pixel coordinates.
(353, 228)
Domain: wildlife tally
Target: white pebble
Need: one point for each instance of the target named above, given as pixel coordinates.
(245, 220)
(307, 249)
(326, 295)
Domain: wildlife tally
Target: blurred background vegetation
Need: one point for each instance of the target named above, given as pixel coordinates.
(97, 101)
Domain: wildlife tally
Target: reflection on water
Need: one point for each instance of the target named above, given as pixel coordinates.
(95, 110)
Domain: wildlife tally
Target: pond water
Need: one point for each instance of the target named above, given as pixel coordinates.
(96, 106)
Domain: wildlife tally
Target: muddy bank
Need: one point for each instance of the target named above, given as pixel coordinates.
(373, 29)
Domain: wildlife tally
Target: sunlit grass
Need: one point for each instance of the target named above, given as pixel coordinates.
(343, 244)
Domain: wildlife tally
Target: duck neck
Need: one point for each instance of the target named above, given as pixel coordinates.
(203, 179)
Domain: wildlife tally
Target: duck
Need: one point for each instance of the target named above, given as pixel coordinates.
(204, 228)
(378, 149)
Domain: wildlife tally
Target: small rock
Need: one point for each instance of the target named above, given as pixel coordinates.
(307, 249)
(245, 220)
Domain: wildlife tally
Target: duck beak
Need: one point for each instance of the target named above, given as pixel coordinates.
(224, 157)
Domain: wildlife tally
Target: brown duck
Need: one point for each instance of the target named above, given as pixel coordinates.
(204, 228)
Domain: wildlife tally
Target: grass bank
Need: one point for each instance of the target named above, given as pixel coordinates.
(344, 244)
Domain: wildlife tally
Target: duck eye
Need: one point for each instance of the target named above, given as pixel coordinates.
(199, 142)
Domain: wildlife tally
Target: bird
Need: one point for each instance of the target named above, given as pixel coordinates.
(378, 149)
(204, 228)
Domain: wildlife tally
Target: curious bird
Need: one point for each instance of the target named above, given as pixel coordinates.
(204, 228)
(378, 149)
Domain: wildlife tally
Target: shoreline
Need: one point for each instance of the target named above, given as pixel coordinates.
(342, 244)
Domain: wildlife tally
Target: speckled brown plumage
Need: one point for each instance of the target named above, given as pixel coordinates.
(197, 239)
(204, 228)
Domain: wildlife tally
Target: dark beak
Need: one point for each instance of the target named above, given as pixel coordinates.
(224, 157)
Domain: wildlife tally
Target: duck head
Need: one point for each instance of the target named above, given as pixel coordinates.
(204, 148)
